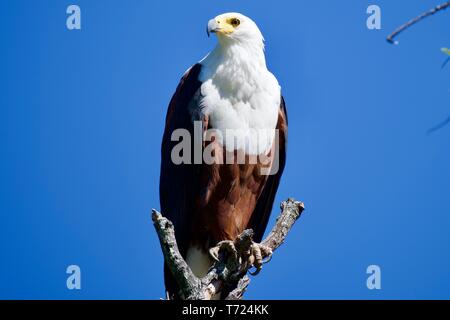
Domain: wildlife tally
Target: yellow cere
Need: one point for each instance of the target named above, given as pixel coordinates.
(227, 25)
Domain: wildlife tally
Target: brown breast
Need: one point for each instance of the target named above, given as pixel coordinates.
(230, 186)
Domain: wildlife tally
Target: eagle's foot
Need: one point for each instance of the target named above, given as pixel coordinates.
(242, 255)
(227, 246)
(259, 255)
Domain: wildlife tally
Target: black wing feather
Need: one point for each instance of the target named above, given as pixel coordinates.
(176, 189)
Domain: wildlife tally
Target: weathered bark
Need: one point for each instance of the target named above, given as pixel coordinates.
(225, 273)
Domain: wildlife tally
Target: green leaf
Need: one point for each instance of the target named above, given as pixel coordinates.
(446, 51)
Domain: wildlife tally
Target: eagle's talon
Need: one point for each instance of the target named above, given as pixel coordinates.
(243, 260)
(227, 246)
(267, 259)
(214, 253)
(254, 273)
(266, 253)
(259, 255)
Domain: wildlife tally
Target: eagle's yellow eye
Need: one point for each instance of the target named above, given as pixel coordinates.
(235, 22)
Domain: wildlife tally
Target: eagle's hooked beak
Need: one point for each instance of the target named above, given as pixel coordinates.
(213, 27)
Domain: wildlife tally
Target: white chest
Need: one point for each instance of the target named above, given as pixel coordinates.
(242, 101)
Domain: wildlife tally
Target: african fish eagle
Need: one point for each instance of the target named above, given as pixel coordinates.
(230, 90)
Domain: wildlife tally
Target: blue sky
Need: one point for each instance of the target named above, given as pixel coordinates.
(82, 114)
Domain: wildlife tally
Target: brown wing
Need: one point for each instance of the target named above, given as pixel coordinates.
(177, 185)
(261, 214)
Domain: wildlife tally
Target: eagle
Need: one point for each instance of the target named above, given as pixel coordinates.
(231, 97)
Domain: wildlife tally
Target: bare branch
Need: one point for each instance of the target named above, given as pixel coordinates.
(226, 273)
(411, 22)
(290, 212)
(190, 285)
(240, 289)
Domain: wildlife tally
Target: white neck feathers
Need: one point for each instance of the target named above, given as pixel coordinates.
(239, 93)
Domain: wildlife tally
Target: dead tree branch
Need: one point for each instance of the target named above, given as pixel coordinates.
(391, 37)
(226, 273)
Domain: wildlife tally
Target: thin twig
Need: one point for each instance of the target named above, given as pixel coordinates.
(411, 22)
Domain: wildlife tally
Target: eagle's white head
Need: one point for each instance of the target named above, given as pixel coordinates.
(233, 27)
